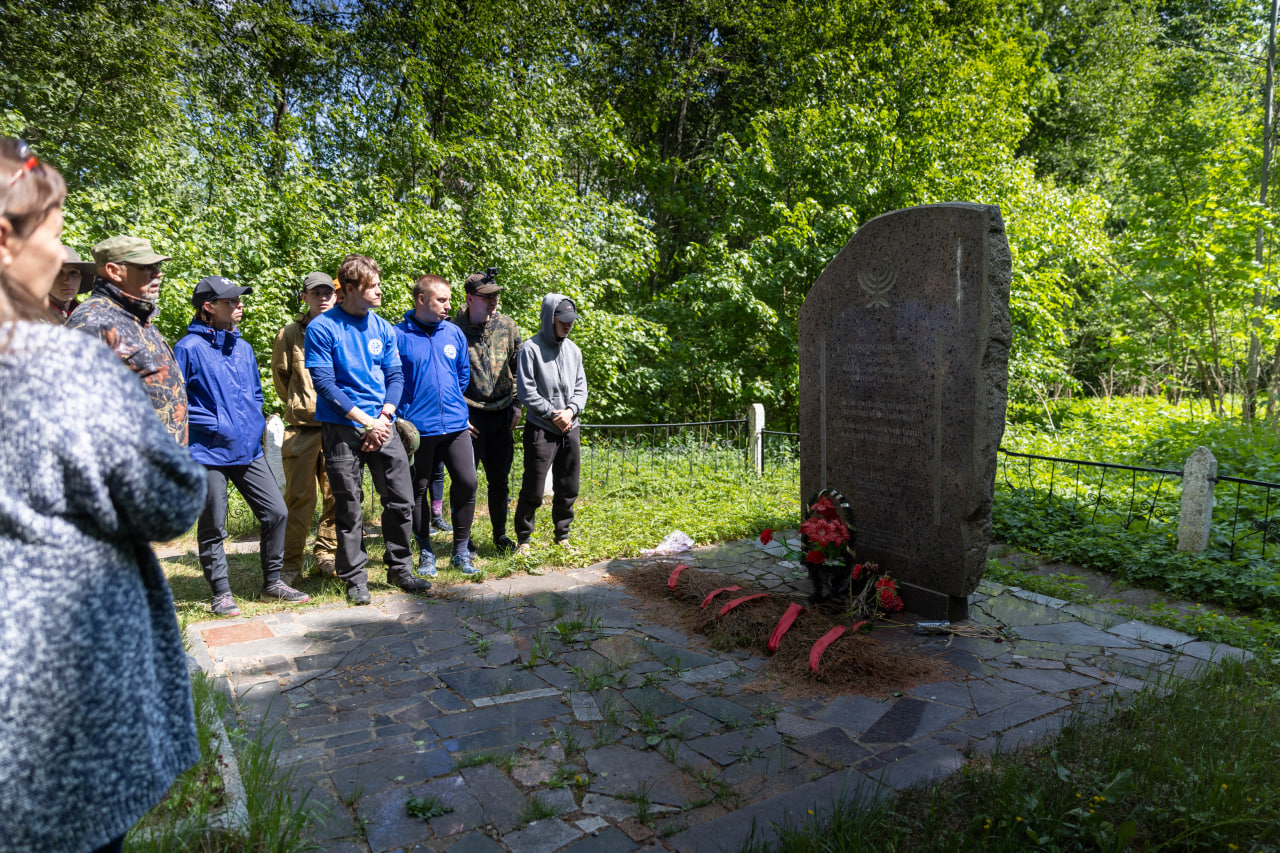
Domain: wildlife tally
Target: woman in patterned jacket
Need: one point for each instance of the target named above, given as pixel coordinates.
(96, 717)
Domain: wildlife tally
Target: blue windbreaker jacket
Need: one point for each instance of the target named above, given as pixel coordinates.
(437, 369)
(224, 393)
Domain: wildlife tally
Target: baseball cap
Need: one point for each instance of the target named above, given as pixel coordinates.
(216, 287)
(88, 271)
(124, 249)
(317, 279)
(565, 312)
(481, 284)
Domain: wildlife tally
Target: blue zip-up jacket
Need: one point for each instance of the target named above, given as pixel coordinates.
(224, 394)
(436, 372)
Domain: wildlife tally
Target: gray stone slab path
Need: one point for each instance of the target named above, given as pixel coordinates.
(549, 713)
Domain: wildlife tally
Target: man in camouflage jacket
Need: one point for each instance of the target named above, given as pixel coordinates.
(493, 341)
(119, 312)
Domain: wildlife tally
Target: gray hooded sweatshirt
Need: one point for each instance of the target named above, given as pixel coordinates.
(549, 372)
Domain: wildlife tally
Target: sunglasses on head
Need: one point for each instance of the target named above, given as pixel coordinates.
(29, 163)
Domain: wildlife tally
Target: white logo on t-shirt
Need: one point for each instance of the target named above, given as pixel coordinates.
(375, 346)
(450, 351)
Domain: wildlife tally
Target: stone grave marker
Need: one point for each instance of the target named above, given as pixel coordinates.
(904, 346)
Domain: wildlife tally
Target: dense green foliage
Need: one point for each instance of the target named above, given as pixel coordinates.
(1125, 522)
(684, 168)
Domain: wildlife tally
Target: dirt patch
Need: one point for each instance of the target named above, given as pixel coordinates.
(855, 662)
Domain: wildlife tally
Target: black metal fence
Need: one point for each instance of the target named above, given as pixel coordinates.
(1246, 518)
(1245, 515)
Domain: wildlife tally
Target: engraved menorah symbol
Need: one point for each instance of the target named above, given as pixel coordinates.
(877, 286)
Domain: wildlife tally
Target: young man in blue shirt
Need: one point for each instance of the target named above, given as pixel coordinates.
(433, 355)
(355, 367)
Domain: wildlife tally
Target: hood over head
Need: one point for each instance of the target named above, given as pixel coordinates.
(547, 326)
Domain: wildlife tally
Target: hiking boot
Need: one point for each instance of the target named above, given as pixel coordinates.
(426, 563)
(281, 591)
(504, 544)
(327, 566)
(224, 604)
(411, 584)
(358, 593)
(439, 525)
(462, 563)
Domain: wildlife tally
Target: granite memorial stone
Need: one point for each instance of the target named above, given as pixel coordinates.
(904, 346)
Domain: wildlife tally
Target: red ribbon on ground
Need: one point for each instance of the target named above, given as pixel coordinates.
(716, 592)
(815, 654)
(675, 576)
(784, 624)
(743, 600)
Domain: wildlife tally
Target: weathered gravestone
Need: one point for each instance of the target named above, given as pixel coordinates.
(904, 346)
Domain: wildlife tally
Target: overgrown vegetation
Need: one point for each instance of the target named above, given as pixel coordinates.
(1077, 527)
(191, 816)
(683, 168)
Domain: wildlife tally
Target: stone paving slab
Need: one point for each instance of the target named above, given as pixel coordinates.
(622, 733)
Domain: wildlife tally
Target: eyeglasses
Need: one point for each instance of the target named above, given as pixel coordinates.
(151, 268)
(29, 163)
(232, 300)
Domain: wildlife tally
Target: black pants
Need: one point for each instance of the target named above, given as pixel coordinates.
(495, 448)
(256, 483)
(344, 462)
(562, 453)
(454, 450)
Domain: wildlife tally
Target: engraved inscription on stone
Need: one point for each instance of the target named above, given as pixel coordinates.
(904, 343)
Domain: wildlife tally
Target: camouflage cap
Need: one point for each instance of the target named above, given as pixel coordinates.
(124, 249)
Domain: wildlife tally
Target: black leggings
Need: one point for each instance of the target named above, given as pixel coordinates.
(454, 450)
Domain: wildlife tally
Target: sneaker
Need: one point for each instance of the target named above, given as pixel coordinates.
(504, 544)
(281, 591)
(462, 563)
(524, 548)
(224, 605)
(358, 593)
(327, 566)
(426, 563)
(411, 584)
(439, 525)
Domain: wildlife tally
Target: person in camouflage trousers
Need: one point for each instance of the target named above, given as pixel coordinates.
(119, 312)
(493, 341)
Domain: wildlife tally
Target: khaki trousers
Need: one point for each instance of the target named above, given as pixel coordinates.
(303, 466)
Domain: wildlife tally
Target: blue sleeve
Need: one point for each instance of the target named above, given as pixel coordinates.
(319, 362)
(392, 372)
(464, 364)
(326, 385)
(257, 376)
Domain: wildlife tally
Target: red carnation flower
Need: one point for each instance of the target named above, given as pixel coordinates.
(766, 536)
(816, 557)
(888, 591)
(857, 571)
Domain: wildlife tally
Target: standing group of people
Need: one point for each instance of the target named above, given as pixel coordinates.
(97, 465)
(450, 390)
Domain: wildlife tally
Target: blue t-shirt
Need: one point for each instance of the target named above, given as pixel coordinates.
(354, 363)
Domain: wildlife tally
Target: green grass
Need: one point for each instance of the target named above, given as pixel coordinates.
(182, 821)
(1190, 770)
(625, 506)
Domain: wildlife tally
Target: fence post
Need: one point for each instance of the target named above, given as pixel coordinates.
(755, 437)
(272, 439)
(1195, 516)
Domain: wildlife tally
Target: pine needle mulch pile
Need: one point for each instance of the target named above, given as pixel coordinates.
(853, 663)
